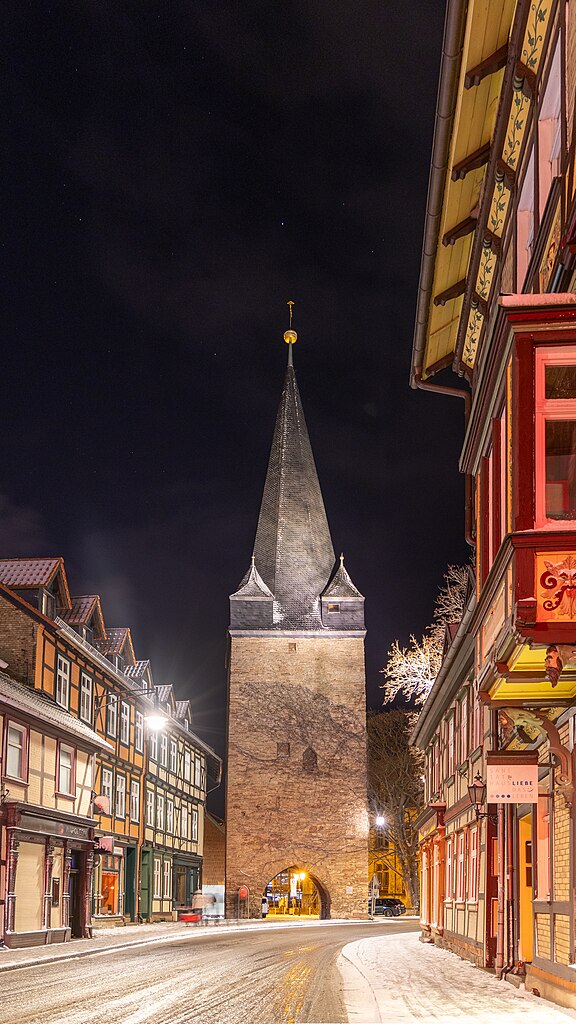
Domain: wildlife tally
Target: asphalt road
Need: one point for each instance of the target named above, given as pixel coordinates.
(272, 975)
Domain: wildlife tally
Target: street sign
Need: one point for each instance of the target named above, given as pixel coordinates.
(243, 892)
(512, 783)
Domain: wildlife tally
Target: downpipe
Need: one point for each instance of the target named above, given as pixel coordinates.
(501, 894)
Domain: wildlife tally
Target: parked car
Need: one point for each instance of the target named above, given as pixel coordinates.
(389, 906)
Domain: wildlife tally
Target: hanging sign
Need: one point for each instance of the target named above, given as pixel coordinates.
(512, 778)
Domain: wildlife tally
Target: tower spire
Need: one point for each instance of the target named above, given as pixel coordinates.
(290, 336)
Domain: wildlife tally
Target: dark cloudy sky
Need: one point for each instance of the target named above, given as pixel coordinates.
(176, 171)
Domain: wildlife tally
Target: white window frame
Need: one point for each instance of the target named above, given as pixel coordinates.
(150, 808)
(173, 756)
(197, 772)
(86, 691)
(184, 821)
(62, 687)
(194, 822)
(66, 785)
(20, 747)
(160, 812)
(164, 751)
(111, 716)
(154, 747)
(187, 766)
(124, 722)
(120, 802)
(157, 878)
(170, 816)
(134, 800)
(139, 732)
(107, 784)
(167, 879)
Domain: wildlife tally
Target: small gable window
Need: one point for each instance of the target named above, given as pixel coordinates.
(333, 607)
(309, 760)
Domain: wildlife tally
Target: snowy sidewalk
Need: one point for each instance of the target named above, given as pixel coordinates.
(397, 979)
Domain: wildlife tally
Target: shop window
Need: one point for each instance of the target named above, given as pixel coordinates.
(135, 800)
(109, 889)
(139, 732)
(124, 723)
(86, 698)
(16, 752)
(555, 435)
(62, 694)
(65, 770)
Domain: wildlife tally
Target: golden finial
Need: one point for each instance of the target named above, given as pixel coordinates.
(341, 558)
(290, 336)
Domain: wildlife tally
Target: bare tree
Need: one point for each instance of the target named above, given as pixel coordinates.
(410, 671)
(395, 790)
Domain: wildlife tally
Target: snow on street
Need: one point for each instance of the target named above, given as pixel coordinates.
(397, 979)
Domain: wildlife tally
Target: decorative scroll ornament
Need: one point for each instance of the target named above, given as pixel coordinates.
(560, 577)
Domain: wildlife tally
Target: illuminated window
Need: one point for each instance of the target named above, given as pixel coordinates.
(333, 608)
(555, 435)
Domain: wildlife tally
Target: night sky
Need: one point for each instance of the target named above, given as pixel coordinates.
(176, 171)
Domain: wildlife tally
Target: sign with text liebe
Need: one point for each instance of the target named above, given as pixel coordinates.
(512, 783)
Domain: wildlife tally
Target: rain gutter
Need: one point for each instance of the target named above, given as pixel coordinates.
(452, 45)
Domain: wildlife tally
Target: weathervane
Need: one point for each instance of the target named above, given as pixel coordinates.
(290, 336)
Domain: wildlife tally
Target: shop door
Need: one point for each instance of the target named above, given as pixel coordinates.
(491, 894)
(145, 872)
(75, 902)
(130, 884)
(525, 889)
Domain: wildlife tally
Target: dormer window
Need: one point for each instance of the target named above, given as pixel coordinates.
(334, 608)
(48, 604)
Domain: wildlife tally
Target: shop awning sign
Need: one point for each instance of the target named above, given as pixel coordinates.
(512, 782)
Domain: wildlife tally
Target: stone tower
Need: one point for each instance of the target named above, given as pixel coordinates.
(296, 785)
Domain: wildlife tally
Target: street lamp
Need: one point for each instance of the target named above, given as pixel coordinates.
(477, 794)
(155, 721)
(379, 821)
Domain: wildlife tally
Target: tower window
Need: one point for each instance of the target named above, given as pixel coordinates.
(282, 750)
(291, 647)
(333, 607)
(309, 760)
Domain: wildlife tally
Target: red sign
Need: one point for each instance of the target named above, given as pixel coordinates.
(243, 892)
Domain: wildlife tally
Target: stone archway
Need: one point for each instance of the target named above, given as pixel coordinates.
(297, 892)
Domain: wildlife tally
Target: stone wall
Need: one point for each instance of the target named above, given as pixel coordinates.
(213, 861)
(296, 792)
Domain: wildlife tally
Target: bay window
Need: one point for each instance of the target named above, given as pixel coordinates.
(555, 435)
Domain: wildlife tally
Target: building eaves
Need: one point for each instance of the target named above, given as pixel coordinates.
(41, 707)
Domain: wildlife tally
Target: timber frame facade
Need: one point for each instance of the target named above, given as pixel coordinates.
(497, 303)
(146, 799)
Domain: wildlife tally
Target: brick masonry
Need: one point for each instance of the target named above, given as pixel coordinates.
(282, 809)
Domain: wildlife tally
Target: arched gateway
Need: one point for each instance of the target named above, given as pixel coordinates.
(296, 892)
(296, 788)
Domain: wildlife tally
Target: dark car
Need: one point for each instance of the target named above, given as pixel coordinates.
(388, 906)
